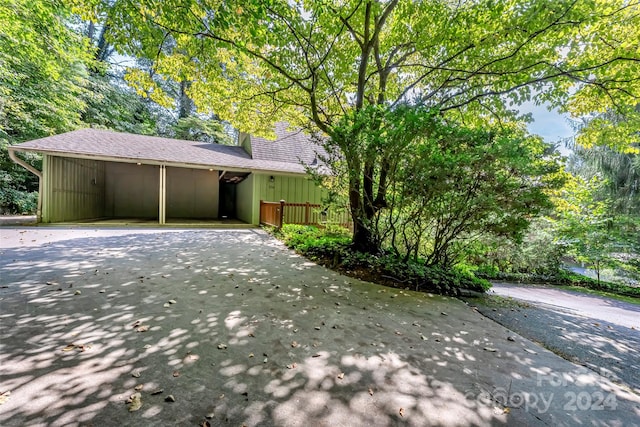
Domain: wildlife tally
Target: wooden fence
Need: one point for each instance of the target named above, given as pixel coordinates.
(278, 213)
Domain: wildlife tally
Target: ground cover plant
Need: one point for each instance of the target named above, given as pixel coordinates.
(331, 247)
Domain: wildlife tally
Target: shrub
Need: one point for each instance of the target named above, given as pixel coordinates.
(14, 201)
(331, 246)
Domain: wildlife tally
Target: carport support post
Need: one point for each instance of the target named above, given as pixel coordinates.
(162, 200)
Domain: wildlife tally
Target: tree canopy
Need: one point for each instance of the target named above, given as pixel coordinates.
(312, 63)
(277, 59)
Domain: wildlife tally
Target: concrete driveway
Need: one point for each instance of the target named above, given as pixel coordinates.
(598, 332)
(215, 327)
(595, 307)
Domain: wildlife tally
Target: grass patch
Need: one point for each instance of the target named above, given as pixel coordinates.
(330, 247)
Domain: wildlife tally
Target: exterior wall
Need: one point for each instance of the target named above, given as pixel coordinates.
(247, 209)
(192, 193)
(78, 189)
(73, 189)
(131, 190)
(244, 140)
(294, 189)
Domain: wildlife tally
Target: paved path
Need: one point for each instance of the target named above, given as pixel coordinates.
(6, 220)
(239, 329)
(593, 306)
(596, 332)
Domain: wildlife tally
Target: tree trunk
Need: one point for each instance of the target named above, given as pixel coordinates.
(103, 52)
(185, 107)
(363, 238)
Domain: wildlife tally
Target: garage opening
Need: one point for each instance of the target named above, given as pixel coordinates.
(229, 192)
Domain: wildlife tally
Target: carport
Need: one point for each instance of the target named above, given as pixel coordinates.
(82, 189)
(91, 175)
(163, 180)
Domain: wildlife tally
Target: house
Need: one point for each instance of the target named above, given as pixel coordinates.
(92, 174)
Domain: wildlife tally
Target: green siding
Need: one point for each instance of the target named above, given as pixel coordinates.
(247, 209)
(73, 189)
(292, 189)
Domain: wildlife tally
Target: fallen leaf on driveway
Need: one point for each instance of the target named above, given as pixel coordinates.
(170, 398)
(205, 423)
(401, 412)
(341, 375)
(157, 391)
(294, 344)
(135, 374)
(222, 346)
(176, 374)
(143, 328)
(135, 402)
(292, 366)
(530, 351)
(370, 391)
(81, 347)
(139, 387)
(491, 349)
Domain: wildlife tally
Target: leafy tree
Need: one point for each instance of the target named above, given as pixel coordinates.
(601, 151)
(110, 104)
(456, 185)
(257, 62)
(42, 71)
(619, 172)
(205, 129)
(588, 227)
(448, 185)
(42, 84)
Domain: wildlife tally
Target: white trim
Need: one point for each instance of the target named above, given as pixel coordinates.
(162, 199)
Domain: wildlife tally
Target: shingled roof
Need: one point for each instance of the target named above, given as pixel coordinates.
(282, 155)
(289, 146)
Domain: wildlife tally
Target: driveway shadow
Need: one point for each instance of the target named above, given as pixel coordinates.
(607, 348)
(239, 329)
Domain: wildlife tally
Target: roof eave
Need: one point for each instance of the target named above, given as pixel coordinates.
(156, 162)
(123, 159)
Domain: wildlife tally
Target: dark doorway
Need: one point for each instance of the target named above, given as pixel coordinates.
(227, 207)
